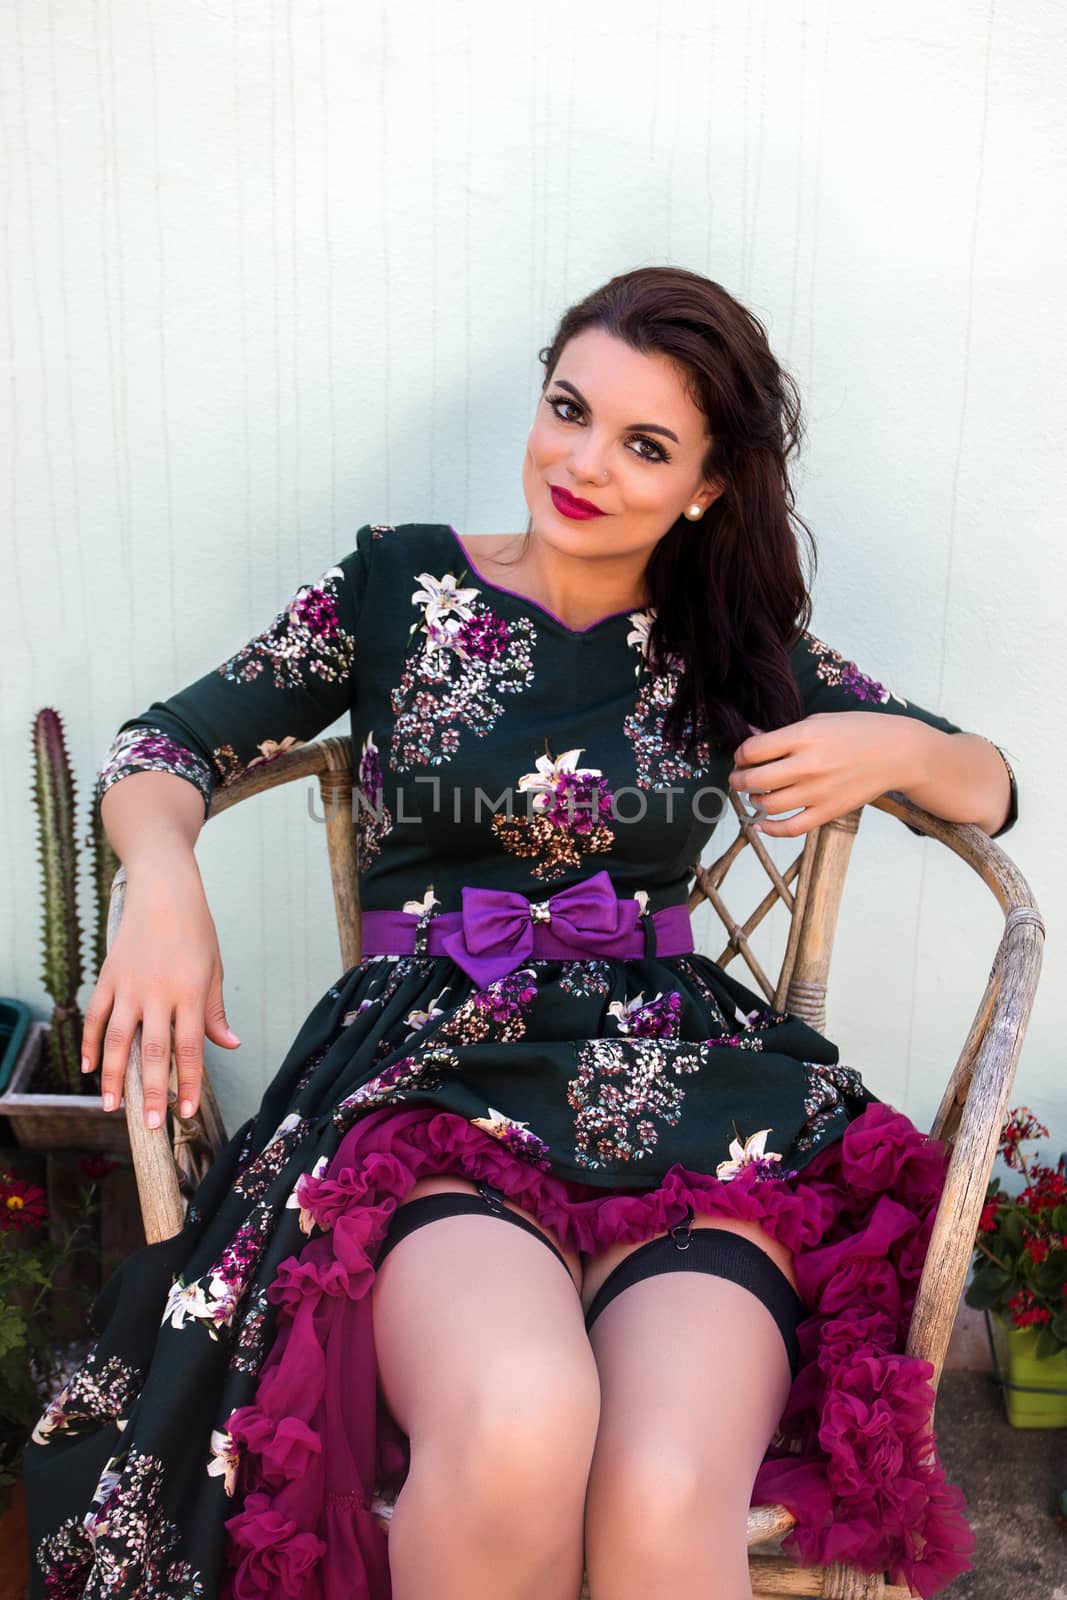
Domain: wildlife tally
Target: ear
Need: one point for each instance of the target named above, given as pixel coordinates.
(711, 490)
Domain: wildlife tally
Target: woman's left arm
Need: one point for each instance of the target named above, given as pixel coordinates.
(962, 777)
(856, 741)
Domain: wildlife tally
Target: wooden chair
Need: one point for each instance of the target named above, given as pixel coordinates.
(169, 1163)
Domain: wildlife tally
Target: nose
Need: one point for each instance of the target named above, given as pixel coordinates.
(587, 464)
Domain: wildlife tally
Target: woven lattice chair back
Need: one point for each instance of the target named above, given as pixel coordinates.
(169, 1164)
(808, 890)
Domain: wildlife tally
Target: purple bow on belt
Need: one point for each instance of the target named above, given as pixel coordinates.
(497, 931)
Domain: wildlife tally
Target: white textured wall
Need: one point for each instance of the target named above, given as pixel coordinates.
(276, 269)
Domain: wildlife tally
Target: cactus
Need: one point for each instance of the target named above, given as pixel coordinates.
(105, 865)
(53, 791)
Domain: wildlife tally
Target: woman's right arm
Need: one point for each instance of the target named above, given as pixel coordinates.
(283, 687)
(164, 961)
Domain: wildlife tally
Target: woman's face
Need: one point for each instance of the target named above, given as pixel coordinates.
(616, 428)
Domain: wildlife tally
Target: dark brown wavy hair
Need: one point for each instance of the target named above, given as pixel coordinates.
(729, 591)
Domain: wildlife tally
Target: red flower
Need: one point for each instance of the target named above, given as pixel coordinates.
(1020, 1126)
(97, 1166)
(1025, 1310)
(1036, 1249)
(1047, 1188)
(22, 1204)
(987, 1222)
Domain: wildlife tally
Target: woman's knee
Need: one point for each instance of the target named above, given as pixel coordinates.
(537, 1401)
(523, 1438)
(648, 1488)
(655, 1471)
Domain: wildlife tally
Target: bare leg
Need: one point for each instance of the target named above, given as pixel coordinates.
(484, 1362)
(694, 1378)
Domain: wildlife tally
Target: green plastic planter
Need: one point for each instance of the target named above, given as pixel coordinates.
(14, 1025)
(1035, 1392)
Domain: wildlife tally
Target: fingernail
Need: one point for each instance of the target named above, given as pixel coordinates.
(232, 1035)
(87, 1065)
(109, 1102)
(152, 1118)
(186, 1108)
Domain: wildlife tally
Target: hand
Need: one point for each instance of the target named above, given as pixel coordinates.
(164, 963)
(828, 764)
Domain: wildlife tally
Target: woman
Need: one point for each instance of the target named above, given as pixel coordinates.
(718, 1230)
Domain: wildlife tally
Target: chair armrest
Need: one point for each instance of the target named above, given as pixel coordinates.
(975, 1103)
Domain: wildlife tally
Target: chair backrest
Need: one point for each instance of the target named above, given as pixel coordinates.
(809, 891)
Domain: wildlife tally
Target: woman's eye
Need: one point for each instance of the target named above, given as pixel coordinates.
(555, 404)
(659, 453)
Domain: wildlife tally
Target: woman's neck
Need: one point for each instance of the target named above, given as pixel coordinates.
(578, 590)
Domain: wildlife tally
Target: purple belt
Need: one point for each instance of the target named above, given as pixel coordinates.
(499, 929)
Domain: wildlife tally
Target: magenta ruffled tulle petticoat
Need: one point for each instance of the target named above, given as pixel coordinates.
(855, 1459)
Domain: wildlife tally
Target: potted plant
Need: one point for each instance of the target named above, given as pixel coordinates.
(44, 1330)
(1020, 1275)
(50, 1103)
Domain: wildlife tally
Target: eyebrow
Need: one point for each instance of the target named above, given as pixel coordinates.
(646, 427)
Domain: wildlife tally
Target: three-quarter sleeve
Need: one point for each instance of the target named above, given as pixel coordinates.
(280, 689)
(827, 681)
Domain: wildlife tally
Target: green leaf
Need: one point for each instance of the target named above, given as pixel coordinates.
(1059, 1325)
(1045, 1345)
(1059, 1219)
(12, 1329)
(1011, 1227)
(1049, 1277)
(987, 1288)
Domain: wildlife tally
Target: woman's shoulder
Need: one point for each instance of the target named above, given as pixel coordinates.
(410, 548)
(393, 551)
(411, 540)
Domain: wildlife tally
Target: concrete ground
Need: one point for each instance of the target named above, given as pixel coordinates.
(1013, 1479)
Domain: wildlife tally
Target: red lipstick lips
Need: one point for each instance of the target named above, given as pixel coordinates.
(570, 506)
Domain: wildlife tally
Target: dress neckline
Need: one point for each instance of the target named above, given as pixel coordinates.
(499, 588)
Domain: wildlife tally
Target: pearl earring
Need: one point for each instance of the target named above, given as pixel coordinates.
(694, 512)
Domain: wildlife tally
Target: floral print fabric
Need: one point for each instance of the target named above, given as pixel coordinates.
(195, 1453)
(639, 1079)
(467, 657)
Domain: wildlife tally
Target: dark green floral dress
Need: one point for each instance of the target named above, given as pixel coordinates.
(224, 1435)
